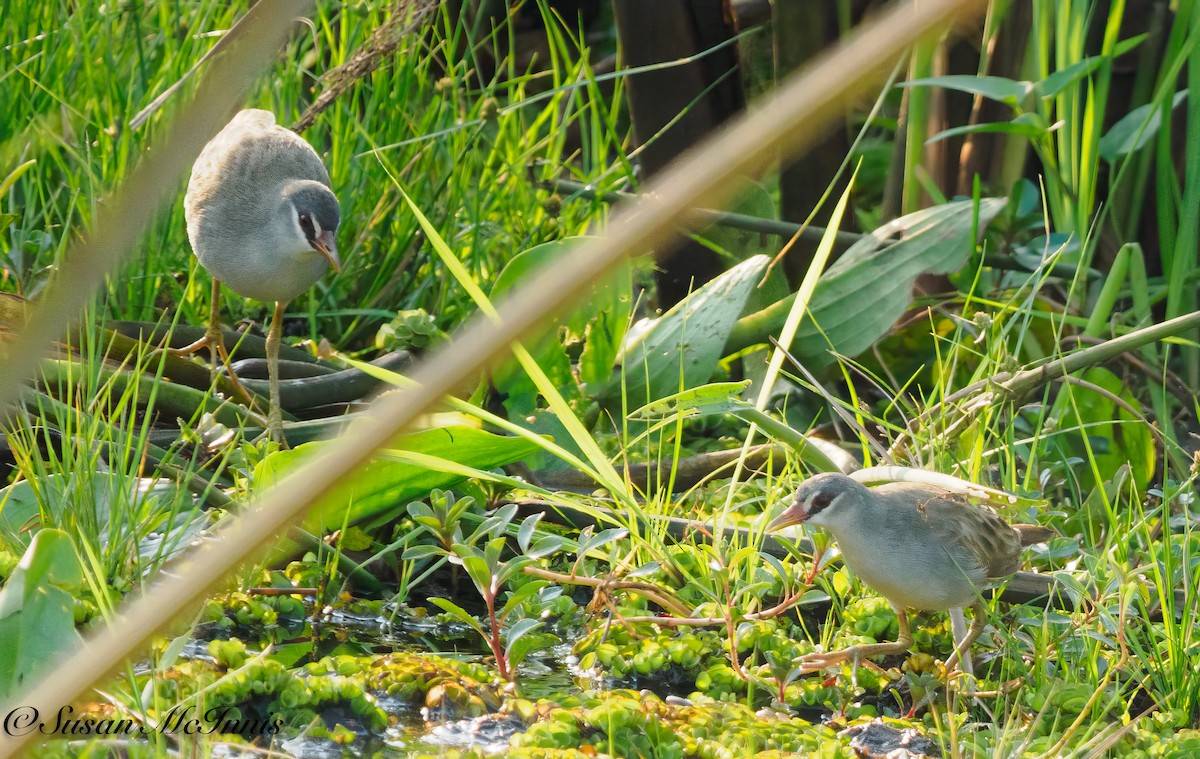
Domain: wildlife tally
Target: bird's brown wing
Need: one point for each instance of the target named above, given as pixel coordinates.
(988, 538)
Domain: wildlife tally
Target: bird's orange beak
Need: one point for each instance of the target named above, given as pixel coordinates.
(327, 246)
(793, 514)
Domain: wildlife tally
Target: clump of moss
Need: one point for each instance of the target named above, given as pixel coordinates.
(626, 723)
(450, 689)
(625, 657)
(244, 686)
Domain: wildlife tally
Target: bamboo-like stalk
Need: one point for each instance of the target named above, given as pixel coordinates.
(790, 121)
(967, 402)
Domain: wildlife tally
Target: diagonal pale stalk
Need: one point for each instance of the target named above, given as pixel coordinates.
(787, 122)
(620, 518)
(790, 326)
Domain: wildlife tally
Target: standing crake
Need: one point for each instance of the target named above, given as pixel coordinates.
(261, 218)
(919, 546)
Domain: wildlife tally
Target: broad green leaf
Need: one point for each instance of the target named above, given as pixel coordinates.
(384, 487)
(860, 296)
(682, 346)
(603, 538)
(645, 570)
(1029, 125)
(546, 424)
(518, 650)
(776, 565)
(420, 510)
(544, 547)
(1064, 78)
(510, 569)
(525, 532)
(599, 321)
(717, 397)
(1006, 91)
(521, 595)
(1135, 129)
(459, 508)
(813, 597)
(19, 512)
(491, 554)
(518, 630)
(423, 552)
(477, 568)
(37, 610)
(495, 523)
(1055, 247)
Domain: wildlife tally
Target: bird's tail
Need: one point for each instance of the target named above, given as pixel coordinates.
(1033, 533)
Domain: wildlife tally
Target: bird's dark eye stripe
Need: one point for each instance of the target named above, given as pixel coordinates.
(306, 225)
(819, 502)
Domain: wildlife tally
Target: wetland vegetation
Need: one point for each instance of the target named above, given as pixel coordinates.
(532, 452)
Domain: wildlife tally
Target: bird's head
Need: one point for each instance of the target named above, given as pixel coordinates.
(827, 500)
(314, 216)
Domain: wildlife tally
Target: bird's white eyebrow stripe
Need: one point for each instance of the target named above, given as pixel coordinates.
(316, 226)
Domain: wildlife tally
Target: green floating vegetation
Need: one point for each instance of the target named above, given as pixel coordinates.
(440, 681)
(621, 653)
(412, 328)
(258, 612)
(241, 687)
(627, 723)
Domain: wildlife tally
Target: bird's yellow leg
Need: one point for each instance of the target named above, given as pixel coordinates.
(212, 332)
(815, 661)
(216, 346)
(977, 624)
(275, 414)
(215, 340)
